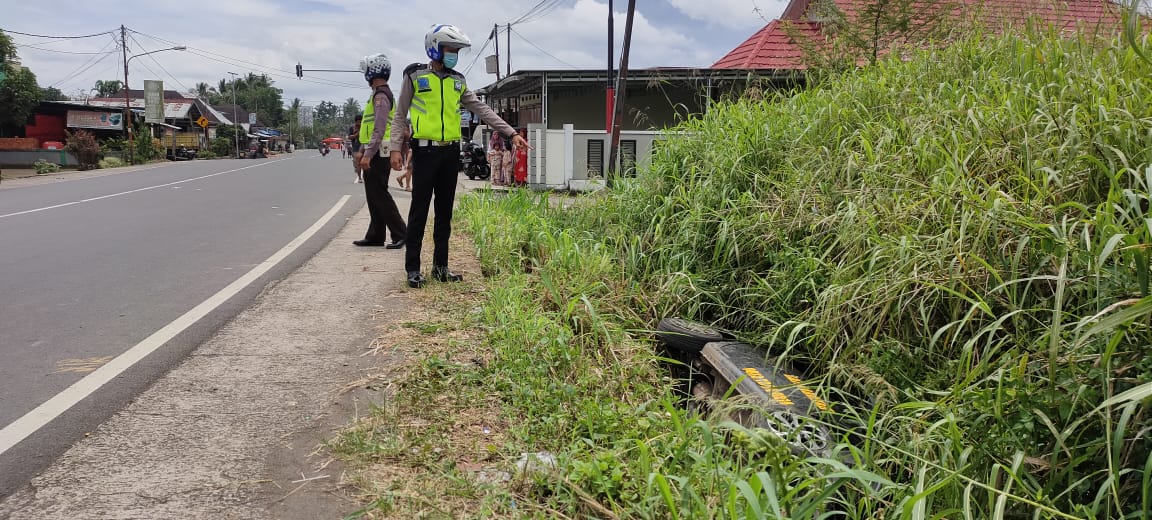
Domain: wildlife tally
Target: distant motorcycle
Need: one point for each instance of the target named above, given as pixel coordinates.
(474, 160)
(324, 151)
(181, 154)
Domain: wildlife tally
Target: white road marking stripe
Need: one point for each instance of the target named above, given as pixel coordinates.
(51, 409)
(102, 197)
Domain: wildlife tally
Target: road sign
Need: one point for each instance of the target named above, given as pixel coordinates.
(153, 101)
(251, 118)
(203, 122)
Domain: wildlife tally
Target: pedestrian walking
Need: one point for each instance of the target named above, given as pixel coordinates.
(354, 147)
(374, 160)
(431, 95)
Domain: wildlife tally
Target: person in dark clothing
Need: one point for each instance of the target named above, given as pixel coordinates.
(374, 160)
(353, 139)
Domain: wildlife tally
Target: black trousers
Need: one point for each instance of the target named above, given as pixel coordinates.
(381, 206)
(434, 173)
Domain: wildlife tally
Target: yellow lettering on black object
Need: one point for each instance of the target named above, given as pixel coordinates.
(764, 383)
(820, 404)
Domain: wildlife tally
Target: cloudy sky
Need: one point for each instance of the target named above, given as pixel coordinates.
(268, 36)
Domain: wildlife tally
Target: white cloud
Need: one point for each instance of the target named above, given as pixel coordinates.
(731, 14)
(274, 35)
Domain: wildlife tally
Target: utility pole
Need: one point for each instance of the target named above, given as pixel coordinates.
(621, 90)
(496, 38)
(127, 109)
(508, 51)
(235, 123)
(610, 92)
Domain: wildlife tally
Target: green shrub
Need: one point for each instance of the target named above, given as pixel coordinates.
(957, 245)
(111, 162)
(43, 167)
(114, 144)
(83, 146)
(222, 147)
(205, 154)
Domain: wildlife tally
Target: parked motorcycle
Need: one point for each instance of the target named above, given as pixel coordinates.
(181, 154)
(758, 392)
(474, 160)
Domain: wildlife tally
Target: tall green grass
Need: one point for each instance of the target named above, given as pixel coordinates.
(956, 245)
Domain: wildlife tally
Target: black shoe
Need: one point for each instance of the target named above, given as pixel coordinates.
(367, 243)
(416, 280)
(396, 244)
(442, 274)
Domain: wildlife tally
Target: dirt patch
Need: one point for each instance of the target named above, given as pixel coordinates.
(432, 446)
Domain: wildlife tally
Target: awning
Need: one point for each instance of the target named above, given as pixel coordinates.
(165, 125)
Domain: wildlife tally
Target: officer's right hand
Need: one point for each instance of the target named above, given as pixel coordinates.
(397, 162)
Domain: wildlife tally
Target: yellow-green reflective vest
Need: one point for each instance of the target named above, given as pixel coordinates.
(368, 123)
(435, 108)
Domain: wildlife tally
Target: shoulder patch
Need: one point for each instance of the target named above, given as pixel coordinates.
(414, 67)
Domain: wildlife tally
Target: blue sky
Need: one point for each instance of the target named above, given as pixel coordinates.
(267, 36)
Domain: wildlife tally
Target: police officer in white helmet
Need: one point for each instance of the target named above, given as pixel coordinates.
(431, 95)
(375, 139)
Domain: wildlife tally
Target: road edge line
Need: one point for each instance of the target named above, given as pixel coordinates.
(49, 410)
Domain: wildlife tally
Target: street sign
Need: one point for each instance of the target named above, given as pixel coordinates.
(153, 101)
(203, 122)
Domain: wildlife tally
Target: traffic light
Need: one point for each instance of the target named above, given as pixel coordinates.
(299, 70)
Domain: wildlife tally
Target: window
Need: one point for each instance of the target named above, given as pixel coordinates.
(595, 158)
(628, 157)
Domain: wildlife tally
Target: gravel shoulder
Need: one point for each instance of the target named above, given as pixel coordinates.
(237, 429)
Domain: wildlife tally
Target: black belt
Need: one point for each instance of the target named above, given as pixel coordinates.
(424, 143)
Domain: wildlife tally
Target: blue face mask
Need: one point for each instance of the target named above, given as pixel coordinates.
(450, 59)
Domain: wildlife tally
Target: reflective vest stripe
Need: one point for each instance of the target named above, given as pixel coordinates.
(436, 106)
(368, 123)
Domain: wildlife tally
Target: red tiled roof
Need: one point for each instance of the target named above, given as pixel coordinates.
(770, 48)
(773, 48)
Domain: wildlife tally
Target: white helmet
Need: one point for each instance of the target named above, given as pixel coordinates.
(376, 66)
(443, 34)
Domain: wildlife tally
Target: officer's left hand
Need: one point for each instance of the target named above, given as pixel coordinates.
(366, 162)
(520, 143)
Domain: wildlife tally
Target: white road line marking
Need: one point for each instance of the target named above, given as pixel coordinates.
(102, 197)
(51, 409)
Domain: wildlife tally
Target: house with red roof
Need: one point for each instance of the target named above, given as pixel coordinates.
(780, 45)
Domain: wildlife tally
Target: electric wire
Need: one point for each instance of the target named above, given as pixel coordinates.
(158, 64)
(56, 37)
(534, 10)
(237, 62)
(87, 65)
(478, 55)
(29, 46)
(541, 13)
(517, 33)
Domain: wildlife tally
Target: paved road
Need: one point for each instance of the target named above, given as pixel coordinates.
(91, 267)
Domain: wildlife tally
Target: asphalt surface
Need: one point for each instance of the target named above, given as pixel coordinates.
(90, 267)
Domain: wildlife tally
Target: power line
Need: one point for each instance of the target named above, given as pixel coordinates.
(28, 46)
(530, 12)
(517, 33)
(552, 5)
(236, 62)
(56, 37)
(157, 62)
(91, 62)
(478, 55)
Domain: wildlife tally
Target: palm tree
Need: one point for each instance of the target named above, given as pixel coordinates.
(107, 88)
